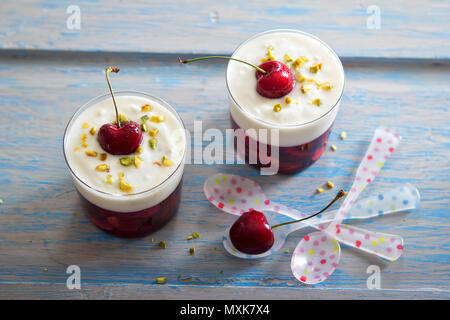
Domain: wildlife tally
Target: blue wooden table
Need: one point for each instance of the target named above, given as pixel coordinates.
(397, 75)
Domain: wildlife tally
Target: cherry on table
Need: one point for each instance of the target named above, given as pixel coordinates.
(251, 233)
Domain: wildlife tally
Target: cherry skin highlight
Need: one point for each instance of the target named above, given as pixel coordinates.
(120, 140)
(277, 82)
(251, 233)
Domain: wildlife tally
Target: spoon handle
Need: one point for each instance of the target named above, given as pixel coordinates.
(399, 199)
(383, 144)
(385, 245)
(402, 198)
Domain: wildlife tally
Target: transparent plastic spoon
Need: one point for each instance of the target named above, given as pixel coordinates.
(317, 255)
(398, 199)
(237, 195)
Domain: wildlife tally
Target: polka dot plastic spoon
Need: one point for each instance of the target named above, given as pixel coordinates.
(317, 255)
(236, 195)
(399, 199)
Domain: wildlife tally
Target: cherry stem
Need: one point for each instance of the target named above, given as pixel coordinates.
(223, 57)
(108, 71)
(339, 195)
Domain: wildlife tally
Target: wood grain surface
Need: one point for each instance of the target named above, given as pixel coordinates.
(408, 29)
(42, 230)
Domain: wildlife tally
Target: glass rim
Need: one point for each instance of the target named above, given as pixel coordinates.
(286, 126)
(122, 93)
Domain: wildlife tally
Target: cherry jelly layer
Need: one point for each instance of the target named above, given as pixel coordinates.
(134, 224)
(290, 159)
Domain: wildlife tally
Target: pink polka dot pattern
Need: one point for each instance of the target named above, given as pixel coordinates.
(383, 143)
(312, 264)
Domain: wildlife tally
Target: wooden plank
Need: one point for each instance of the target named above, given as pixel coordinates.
(420, 29)
(39, 92)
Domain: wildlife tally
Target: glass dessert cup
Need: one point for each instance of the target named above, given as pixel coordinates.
(135, 214)
(298, 145)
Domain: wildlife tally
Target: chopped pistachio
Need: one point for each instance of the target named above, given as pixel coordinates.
(102, 167)
(189, 237)
(157, 119)
(288, 100)
(91, 153)
(162, 244)
(152, 239)
(269, 53)
(287, 58)
(103, 156)
(196, 235)
(152, 143)
(125, 161)
(84, 145)
(145, 118)
(191, 251)
(343, 135)
(1, 201)
(297, 63)
(304, 88)
(264, 59)
(121, 175)
(86, 125)
(299, 77)
(144, 127)
(138, 150)
(125, 186)
(109, 179)
(317, 102)
(76, 149)
(333, 147)
(315, 68)
(330, 184)
(179, 275)
(161, 280)
(287, 251)
(153, 132)
(137, 161)
(325, 86)
(146, 108)
(93, 131)
(221, 271)
(304, 58)
(277, 107)
(45, 269)
(83, 137)
(122, 118)
(311, 80)
(166, 162)
(319, 190)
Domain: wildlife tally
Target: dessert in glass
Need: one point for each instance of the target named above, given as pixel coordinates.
(302, 116)
(131, 193)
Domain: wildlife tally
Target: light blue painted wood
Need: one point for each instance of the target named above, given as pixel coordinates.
(40, 91)
(41, 226)
(416, 29)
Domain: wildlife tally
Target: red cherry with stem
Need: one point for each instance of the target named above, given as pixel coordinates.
(274, 79)
(276, 82)
(251, 232)
(119, 138)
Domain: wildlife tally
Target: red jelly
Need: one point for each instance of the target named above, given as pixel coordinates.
(134, 224)
(290, 159)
